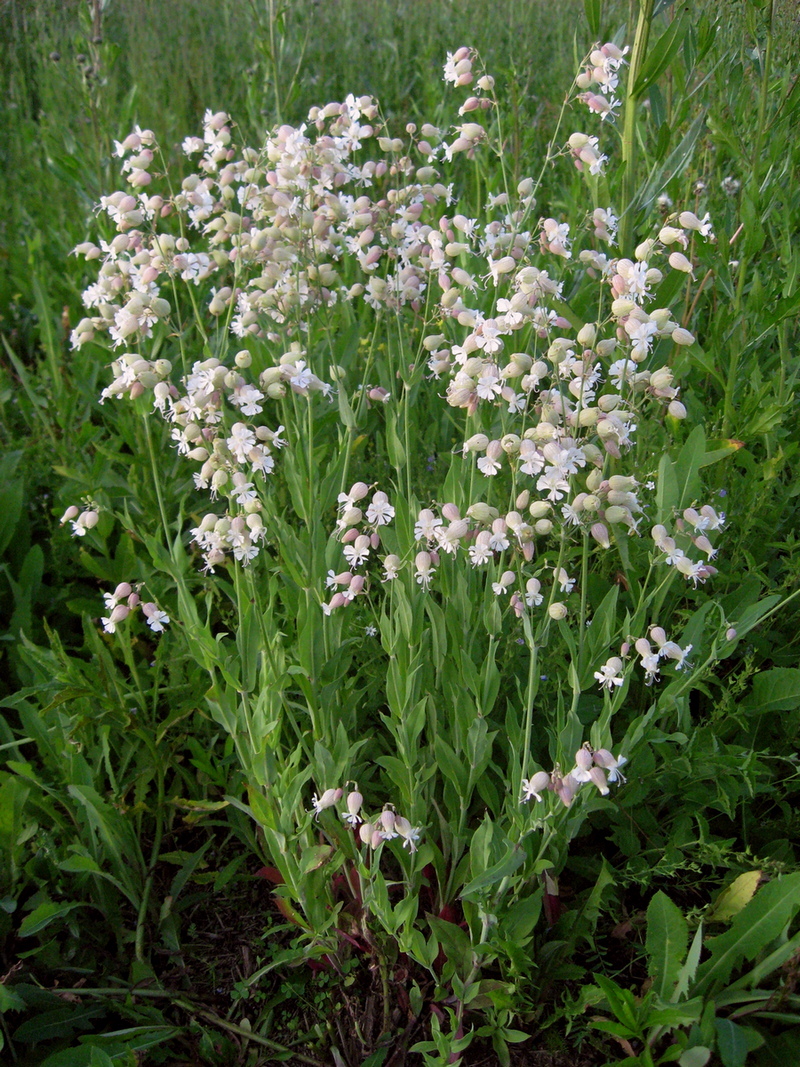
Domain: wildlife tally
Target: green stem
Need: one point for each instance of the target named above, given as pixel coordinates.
(530, 695)
(154, 854)
(629, 127)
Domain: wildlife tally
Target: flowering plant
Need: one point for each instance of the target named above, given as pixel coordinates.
(436, 507)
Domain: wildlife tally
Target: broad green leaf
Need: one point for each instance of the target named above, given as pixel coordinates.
(455, 942)
(764, 919)
(775, 690)
(593, 10)
(687, 467)
(9, 1001)
(42, 916)
(58, 1023)
(735, 1041)
(695, 1057)
(667, 939)
(734, 897)
(667, 489)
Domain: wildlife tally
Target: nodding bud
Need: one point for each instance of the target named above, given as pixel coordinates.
(536, 785)
(71, 513)
(583, 758)
(358, 491)
(365, 832)
(357, 584)
(600, 533)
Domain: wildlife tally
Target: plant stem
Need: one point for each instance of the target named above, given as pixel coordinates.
(629, 127)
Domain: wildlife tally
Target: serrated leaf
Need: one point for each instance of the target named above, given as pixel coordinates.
(764, 919)
(667, 939)
(689, 968)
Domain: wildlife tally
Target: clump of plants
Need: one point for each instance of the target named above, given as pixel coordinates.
(425, 521)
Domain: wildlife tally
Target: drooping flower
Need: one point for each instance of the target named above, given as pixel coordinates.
(327, 800)
(610, 674)
(535, 786)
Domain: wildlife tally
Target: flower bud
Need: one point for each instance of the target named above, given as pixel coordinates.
(678, 261)
(682, 337)
(600, 533)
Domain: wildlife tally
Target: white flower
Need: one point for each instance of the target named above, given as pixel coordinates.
(380, 511)
(603, 758)
(533, 596)
(535, 786)
(327, 800)
(566, 583)
(157, 619)
(609, 674)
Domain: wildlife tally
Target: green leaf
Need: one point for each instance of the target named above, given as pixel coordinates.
(455, 942)
(689, 969)
(667, 940)
(42, 916)
(661, 54)
(593, 10)
(775, 690)
(763, 920)
(687, 467)
(79, 864)
(735, 1041)
(494, 874)
(9, 1001)
(58, 1023)
(667, 489)
(695, 1057)
(734, 897)
(675, 164)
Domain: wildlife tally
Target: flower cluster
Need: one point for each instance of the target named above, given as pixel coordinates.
(387, 825)
(81, 521)
(597, 766)
(359, 532)
(611, 674)
(600, 79)
(125, 600)
(691, 529)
